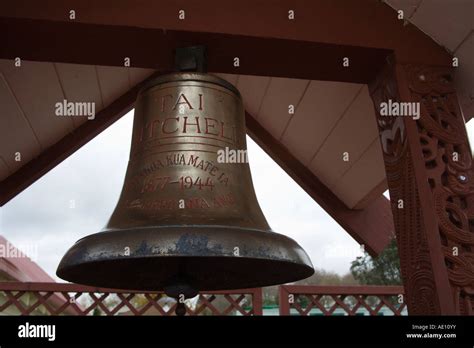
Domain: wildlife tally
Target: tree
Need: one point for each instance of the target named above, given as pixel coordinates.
(382, 270)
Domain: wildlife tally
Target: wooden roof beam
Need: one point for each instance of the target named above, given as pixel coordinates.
(362, 23)
(372, 226)
(92, 44)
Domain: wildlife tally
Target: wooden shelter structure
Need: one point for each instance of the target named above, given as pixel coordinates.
(335, 63)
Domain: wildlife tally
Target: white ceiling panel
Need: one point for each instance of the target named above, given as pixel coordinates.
(320, 109)
(281, 93)
(37, 89)
(253, 89)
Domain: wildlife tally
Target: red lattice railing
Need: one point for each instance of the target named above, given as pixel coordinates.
(18, 298)
(342, 300)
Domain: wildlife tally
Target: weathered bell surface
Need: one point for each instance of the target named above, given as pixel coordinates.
(187, 219)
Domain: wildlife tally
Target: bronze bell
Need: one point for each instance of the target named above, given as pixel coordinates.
(187, 219)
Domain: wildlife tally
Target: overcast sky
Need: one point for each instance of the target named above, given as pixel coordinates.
(42, 216)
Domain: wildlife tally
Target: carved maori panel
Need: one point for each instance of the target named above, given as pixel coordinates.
(436, 261)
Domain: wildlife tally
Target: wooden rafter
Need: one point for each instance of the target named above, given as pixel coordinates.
(371, 226)
(68, 42)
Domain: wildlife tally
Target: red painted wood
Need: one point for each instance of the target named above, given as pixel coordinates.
(371, 226)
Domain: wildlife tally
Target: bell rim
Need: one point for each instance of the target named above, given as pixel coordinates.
(77, 267)
(299, 272)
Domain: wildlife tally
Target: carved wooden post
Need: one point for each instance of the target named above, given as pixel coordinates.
(431, 181)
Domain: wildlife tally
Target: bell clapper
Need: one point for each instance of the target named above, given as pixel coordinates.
(180, 309)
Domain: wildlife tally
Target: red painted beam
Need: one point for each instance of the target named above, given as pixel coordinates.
(93, 44)
(363, 23)
(344, 289)
(73, 287)
(371, 226)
